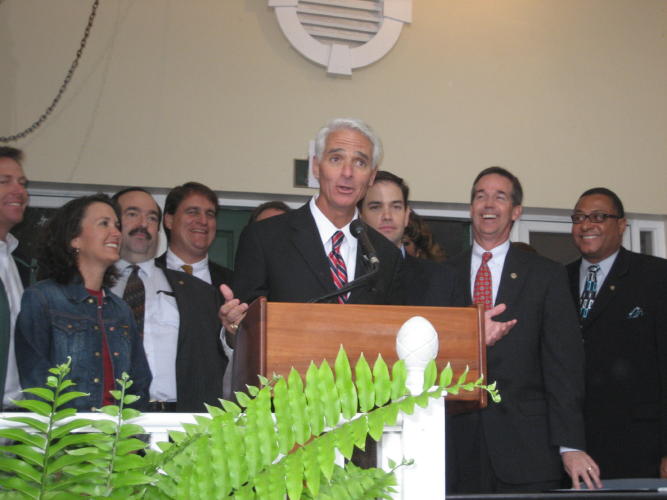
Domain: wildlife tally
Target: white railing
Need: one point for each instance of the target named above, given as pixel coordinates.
(420, 436)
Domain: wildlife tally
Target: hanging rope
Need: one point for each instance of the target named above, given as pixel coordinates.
(63, 87)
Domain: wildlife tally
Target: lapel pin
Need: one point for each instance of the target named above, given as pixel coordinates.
(612, 287)
(513, 276)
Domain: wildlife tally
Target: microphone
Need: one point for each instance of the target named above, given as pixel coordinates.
(358, 230)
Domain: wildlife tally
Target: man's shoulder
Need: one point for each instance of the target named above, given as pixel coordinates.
(279, 224)
(644, 259)
(573, 267)
(644, 270)
(382, 245)
(183, 282)
(45, 287)
(523, 258)
(220, 274)
(425, 265)
(460, 260)
(214, 266)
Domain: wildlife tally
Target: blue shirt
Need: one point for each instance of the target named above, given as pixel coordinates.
(57, 321)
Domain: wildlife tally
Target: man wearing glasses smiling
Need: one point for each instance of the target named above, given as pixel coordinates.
(622, 302)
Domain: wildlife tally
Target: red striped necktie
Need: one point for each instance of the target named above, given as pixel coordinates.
(337, 265)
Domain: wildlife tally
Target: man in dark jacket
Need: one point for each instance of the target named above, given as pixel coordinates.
(622, 302)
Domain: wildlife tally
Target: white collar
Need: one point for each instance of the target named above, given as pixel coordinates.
(499, 251)
(325, 227)
(605, 264)
(11, 242)
(147, 266)
(175, 262)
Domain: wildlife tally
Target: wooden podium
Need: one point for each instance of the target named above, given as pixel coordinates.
(276, 336)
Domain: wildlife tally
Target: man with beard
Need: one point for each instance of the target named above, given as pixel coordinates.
(176, 313)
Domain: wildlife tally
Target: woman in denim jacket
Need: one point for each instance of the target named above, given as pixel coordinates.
(73, 314)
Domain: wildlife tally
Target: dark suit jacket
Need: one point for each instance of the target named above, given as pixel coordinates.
(27, 268)
(539, 370)
(219, 274)
(625, 341)
(26, 272)
(283, 259)
(429, 283)
(200, 360)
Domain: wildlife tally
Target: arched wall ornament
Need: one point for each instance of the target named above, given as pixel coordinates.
(342, 35)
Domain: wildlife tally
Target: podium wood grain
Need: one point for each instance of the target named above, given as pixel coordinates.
(276, 336)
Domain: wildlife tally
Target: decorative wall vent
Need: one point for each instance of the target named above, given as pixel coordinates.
(342, 34)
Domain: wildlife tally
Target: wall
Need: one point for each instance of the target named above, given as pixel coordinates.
(566, 93)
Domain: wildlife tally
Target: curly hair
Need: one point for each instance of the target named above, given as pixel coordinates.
(418, 232)
(56, 258)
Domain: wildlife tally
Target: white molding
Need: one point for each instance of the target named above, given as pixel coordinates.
(53, 195)
(657, 227)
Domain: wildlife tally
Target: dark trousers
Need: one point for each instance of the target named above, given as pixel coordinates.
(469, 469)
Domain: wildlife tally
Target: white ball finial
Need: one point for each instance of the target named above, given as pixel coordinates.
(417, 342)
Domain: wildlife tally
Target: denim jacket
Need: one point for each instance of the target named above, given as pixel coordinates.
(57, 321)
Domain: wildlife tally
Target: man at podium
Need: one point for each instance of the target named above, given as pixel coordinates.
(311, 252)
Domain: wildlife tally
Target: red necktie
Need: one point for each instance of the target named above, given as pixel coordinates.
(337, 264)
(483, 292)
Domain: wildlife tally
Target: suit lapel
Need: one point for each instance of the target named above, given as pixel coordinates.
(513, 277)
(461, 265)
(306, 240)
(573, 276)
(611, 285)
(361, 295)
(5, 329)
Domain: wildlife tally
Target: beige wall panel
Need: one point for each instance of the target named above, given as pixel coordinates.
(566, 93)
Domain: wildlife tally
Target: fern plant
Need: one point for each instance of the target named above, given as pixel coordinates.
(35, 459)
(54, 462)
(279, 440)
(239, 451)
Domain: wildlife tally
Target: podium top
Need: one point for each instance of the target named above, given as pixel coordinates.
(277, 336)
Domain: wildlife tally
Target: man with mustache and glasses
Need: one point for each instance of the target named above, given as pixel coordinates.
(523, 443)
(13, 202)
(622, 302)
(176, 313)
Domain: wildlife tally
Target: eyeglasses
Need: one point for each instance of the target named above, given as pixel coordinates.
(595, 217)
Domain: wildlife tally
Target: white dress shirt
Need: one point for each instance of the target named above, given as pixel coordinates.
(199, 269)
(161, 323)
(14, 288)
(495, 264)
(326, 229)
